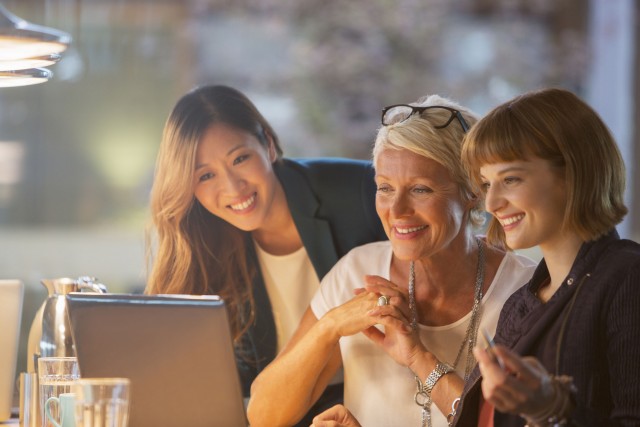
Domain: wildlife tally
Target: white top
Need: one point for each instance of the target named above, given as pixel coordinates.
(378, 391)
(291, 282)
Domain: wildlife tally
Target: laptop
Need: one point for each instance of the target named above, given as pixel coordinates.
(176, 350)
(11, 296)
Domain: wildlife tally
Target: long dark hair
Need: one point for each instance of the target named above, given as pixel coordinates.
(196, 252)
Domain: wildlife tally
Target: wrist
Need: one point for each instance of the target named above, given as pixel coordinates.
(328, 329)
(557, 412)
(422, 363)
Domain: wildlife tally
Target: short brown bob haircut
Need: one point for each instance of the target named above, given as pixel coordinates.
(555, 125)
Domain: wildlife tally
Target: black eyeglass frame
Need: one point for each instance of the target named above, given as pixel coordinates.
(419, 110)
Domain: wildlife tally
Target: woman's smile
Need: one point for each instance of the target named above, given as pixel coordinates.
(244, 206)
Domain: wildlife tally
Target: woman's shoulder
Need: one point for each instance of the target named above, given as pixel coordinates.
(512, 265)
(328, 162)
(368, 253)
(613, 258)
(370, 258)
(321, 169)
(514, 271)
(520, 261)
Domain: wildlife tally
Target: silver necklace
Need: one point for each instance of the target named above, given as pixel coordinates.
(471, 334)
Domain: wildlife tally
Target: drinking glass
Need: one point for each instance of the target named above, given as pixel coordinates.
(56, 376)
(102, 402)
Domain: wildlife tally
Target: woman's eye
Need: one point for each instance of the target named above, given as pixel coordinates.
(240, 159)
(484, 186)
(511, 180)
(383, 188)
(205, 176)
(422, 190)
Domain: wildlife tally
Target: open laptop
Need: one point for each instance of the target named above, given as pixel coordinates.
(176, 350)
(11, 296)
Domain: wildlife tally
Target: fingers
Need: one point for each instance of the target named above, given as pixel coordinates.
(374, 334)
(498, 386)
(522, 387)
(395, 297)
(527, 369)
(336, 416)
(383, 286)
(393, 319)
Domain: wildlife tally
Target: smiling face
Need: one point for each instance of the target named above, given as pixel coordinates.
(234, 177)
(528, 198)
(419, 204)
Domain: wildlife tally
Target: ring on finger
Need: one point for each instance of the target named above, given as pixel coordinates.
(383, 300)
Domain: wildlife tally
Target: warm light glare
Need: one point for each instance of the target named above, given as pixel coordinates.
(24, 77)
(13, 47)
(25, 64)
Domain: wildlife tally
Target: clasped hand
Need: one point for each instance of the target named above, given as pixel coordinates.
(398, 340)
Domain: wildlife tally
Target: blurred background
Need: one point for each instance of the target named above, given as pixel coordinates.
(77, 153)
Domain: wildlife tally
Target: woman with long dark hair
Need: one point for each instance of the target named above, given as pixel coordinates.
(232, 217)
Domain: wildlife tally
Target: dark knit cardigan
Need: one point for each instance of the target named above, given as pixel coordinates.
(589, 330)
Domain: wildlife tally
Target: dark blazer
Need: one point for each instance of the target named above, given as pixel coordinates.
(588, 330)
(332, 202)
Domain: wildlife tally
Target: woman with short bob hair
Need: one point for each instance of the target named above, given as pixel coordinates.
(568, 341)
(559, 127)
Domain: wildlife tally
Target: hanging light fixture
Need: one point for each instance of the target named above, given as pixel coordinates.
(26, 46)
(32, 76)
(26, 63)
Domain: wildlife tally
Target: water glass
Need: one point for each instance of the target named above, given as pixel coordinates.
(56, 375)
(102, 402)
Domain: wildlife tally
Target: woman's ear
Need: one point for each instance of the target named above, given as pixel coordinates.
(271, 148)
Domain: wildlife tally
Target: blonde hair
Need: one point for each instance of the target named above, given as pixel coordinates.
(555, 125)
(419, 135)
(195, 251)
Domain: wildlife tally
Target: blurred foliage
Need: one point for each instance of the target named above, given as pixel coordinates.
(321, 71)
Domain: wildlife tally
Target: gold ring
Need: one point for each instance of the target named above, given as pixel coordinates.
(383, 300)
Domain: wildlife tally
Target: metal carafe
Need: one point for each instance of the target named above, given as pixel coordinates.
(50, 333)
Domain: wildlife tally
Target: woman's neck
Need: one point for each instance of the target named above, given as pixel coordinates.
(445, 282)
(559, 258)
(278, 235)
(449, 270)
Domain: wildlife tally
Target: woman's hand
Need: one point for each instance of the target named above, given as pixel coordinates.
(337, 416)
(522, 387)
(352, 316)
(399, 340)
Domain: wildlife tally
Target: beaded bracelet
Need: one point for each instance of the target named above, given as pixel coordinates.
(557, 413)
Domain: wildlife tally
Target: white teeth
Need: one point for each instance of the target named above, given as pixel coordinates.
(244, 205)
(512, 219)
(410, 230)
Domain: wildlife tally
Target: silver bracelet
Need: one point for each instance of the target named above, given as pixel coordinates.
(454, 409)
(423, 395)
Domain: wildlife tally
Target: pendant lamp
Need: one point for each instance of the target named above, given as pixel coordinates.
(26, 46)
(28, 77)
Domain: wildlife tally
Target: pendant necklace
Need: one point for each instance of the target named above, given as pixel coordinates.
(471, 333)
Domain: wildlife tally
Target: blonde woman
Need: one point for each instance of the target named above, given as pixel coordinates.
(431, 287)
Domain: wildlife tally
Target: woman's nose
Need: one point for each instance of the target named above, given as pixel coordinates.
(233, 182)
(401, 205)
(493, 200)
